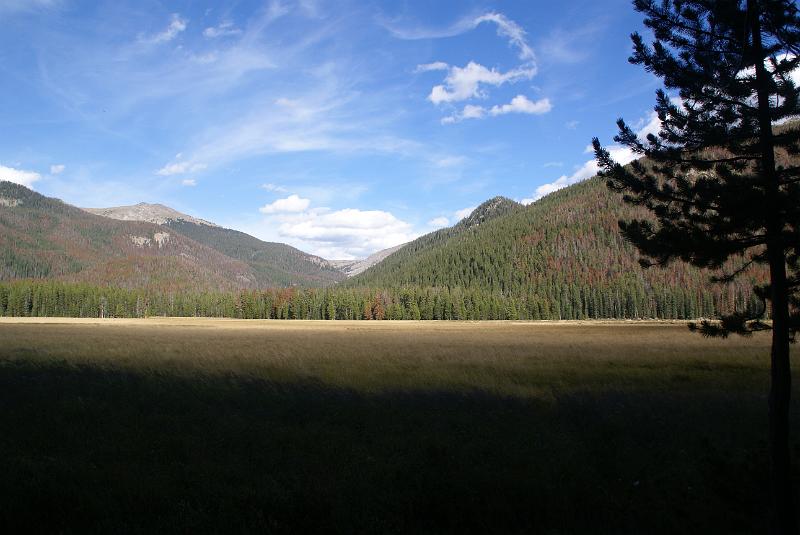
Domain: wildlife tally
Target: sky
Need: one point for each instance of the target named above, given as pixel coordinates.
(339, 127)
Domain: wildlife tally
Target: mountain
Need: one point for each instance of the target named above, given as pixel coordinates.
(488, 210)
(274, 264)
(563, 250)
(150, 213)
(409, 252)
(352, 268)
(41, 237)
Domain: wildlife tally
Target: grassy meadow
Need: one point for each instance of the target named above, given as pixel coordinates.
(208, 426)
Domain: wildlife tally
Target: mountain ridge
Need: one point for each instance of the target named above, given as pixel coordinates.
(43, 237)
(151, 213)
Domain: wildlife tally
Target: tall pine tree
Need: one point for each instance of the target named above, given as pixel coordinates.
(718, 176)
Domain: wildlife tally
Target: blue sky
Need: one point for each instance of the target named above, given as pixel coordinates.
(339, 127)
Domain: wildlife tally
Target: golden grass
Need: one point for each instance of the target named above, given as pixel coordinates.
(212, 426)
(528, 359)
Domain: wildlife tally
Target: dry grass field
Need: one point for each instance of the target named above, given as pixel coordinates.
(245, 426)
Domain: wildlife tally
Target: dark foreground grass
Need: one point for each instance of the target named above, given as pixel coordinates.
(337, 441)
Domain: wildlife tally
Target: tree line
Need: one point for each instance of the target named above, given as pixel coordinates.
(40, 298)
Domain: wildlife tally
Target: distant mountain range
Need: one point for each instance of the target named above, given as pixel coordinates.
(563, 251)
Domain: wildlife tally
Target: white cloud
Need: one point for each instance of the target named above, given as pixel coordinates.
(510, 29)
(623, 155)
(521, 104)
(589, 168)
(470, 81)
(553, 164)
(292, 203)
(505, 28)
(464, 212)
(189, 182)
(180, 168)
(224, 29)
(274, 187)
(346, 233)
(439, 222)
(18, 176)
(462, 83)
(571, 125)
(470, 111)
(57, 169)
(435, 66)
(649, 125)
(176, 26)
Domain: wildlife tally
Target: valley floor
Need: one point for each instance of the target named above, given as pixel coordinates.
(209, 425)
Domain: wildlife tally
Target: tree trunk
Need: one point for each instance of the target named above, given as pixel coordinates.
(785, 521)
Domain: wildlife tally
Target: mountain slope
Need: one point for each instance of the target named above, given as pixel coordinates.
(150, 213)
(274, 264)
(41, 237)
(493, 208)
(351, 268)
(564, 250)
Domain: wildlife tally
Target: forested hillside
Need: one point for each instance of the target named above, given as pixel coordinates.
(563, 256)
(45, 238)
(274, 264)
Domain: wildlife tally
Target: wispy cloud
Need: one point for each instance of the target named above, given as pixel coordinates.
(470, 111)
(511, 30)
(435, 66)
(57, 169)
(180, 168)
(274, 187)
(506, 27)
(570, 45)
(223, 29)
(189, 182)
(449, 161)
(177, 25)
(328, 118)
(589, 168)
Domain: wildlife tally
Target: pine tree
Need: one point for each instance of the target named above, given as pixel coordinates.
(717, 177)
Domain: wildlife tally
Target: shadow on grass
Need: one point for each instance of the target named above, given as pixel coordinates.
(85, 449)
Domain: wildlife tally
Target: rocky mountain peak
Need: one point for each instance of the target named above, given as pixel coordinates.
(151, 213)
